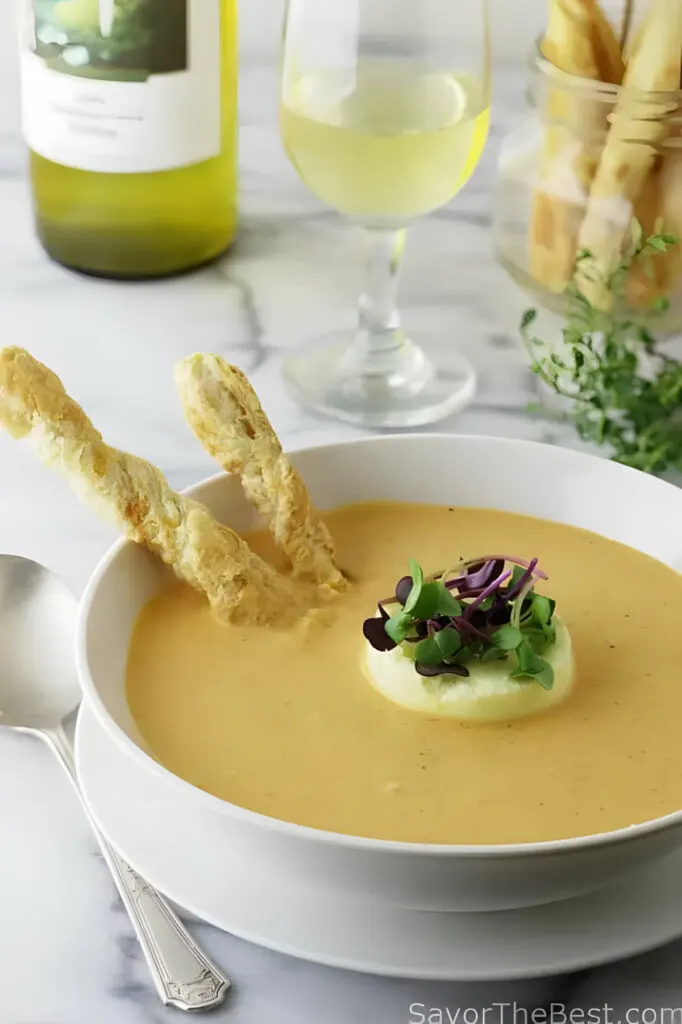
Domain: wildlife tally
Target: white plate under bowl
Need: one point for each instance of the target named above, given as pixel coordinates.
(167, 849)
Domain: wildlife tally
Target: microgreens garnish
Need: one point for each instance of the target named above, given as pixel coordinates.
(486, 610)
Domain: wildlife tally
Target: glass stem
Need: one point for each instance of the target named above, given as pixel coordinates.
(380, 356)
(379, 336)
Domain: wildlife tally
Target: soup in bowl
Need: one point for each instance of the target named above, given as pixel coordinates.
(486, 718)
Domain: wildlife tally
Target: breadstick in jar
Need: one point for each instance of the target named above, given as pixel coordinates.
(641, 123)
(579, 41)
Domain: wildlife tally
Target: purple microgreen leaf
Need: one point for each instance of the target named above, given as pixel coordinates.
(454, 584)
(431, 671)
(490, 589)
(475, 564)
(469, 595)
(375, 634)
(499, 613)
(403, 588)
(463, 625)
(479, 576)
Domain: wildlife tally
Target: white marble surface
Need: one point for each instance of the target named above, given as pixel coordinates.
(66, 951)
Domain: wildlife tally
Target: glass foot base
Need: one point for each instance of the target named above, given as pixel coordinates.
(405, 388)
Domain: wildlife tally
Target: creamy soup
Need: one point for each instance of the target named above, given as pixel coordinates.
(283, 721)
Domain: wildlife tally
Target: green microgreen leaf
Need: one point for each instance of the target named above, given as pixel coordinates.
(517, 573)
(542, 609)
(447, 604)
(526, 658)
(531, 666)
(545, 676)
(507, 638)
(428, 652)
(417, 584)
(448, 641)
(493, 654)
(464, 656)
(538, 640)
(398, 627)
(426, 605)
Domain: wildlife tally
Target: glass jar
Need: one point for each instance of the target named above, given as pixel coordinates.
(591, 163)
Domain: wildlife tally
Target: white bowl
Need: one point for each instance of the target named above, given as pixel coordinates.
(516, 476)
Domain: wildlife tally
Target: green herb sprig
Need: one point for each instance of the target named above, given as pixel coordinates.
(626, 394)
(488, 611)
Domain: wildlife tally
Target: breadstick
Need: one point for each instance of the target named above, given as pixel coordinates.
(640, 125)
(240, 586)
(578, 40)
(670, 215)
(226, 416)
(659, 211)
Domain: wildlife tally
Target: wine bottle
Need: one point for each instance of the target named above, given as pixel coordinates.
(130, 116)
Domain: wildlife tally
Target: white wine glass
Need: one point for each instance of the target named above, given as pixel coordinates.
(384, 113)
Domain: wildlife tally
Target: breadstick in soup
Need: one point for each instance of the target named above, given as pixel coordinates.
(225, 414)
(240, 586)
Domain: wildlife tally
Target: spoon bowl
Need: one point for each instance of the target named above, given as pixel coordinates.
(38, 682)
(38, 693)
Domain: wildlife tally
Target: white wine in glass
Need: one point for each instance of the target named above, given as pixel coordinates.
(384, 113)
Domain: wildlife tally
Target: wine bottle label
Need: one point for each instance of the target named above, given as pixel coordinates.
(121, 86)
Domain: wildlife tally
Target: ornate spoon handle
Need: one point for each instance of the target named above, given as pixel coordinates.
(183, 975)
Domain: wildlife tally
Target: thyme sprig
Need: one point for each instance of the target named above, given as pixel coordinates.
(625, 393)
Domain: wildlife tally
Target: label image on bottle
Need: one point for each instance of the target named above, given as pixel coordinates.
(121, 85)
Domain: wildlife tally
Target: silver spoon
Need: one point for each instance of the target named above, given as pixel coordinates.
(38, 693)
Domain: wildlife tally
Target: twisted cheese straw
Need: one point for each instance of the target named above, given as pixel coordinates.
(579, 41)
(640, 125)
(240, 586)
(225, 414)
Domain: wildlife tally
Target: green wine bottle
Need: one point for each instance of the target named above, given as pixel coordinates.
(130, 116)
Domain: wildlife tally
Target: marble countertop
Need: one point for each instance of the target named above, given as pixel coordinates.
(67, 955)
